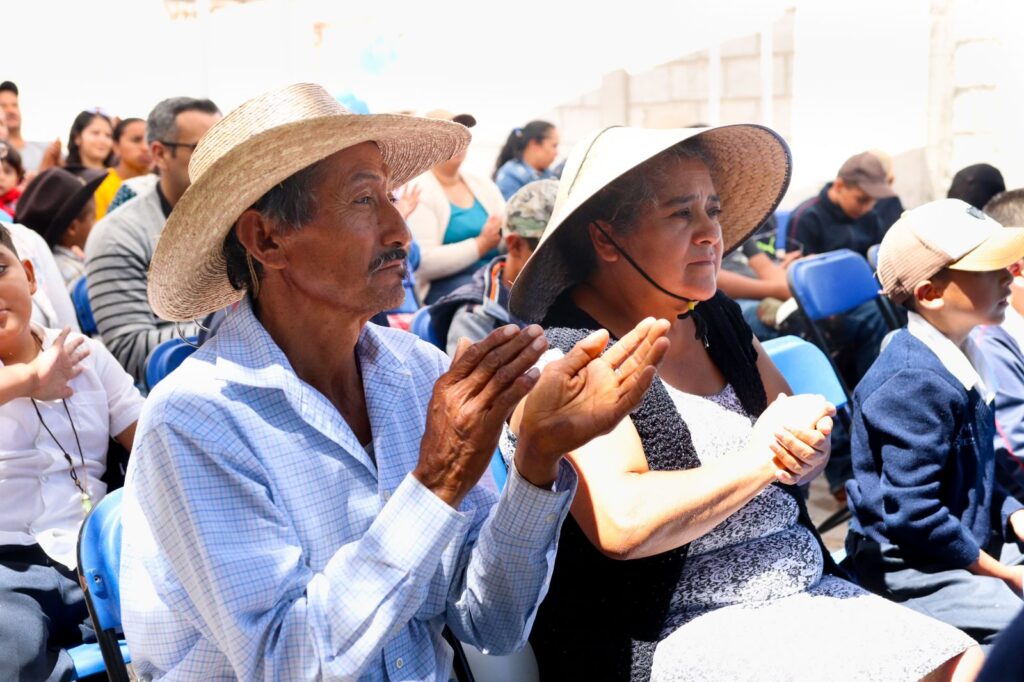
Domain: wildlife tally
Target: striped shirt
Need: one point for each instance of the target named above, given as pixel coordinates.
(117, 256)
(263, 541)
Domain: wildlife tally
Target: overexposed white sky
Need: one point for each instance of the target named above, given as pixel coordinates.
(505, 62)
(860, 79)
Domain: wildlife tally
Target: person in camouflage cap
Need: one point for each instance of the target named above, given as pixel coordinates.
(476, 309)
(529, 209)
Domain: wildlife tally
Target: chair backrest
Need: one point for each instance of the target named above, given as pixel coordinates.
(166, 358)
(99, 560)
(83, 310)
(782, 228)
(806, 368)
(421, 327)
(832, 283)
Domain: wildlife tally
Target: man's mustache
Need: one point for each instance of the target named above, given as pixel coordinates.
(386, 257)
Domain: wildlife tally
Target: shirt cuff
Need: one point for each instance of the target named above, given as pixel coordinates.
(962, 552)
(529, 516)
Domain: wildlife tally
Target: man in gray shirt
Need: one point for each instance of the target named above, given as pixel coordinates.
(121, 245)
(31, 152)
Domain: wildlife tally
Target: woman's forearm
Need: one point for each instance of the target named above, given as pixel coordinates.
(656, 511)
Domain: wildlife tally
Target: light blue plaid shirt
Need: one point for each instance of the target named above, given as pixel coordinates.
(262, 542)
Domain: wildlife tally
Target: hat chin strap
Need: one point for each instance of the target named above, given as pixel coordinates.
(629, 259)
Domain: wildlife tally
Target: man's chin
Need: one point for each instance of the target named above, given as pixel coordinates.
(390, 298)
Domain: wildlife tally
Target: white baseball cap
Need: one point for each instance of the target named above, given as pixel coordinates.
(948, 233)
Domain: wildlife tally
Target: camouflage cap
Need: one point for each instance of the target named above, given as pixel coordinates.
(528, 210)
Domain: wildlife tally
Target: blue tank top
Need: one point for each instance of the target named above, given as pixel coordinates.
(466, 223)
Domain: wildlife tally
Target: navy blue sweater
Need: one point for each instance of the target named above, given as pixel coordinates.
(923, 462)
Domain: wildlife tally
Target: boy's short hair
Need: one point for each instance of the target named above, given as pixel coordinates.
(12, 157)
(948, 233)
(7, 240)
(1007, 207)
(8, 86)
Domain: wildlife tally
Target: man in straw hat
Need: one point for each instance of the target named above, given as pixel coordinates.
(302, 502)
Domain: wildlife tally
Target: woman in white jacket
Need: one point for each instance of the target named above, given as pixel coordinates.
(457, 222)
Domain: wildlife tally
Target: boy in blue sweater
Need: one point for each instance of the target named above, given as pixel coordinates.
(931, 526)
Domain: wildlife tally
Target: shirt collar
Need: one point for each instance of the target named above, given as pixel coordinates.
(165, 206)
(246, 353)
(966, 363)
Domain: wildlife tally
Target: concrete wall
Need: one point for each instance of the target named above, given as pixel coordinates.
(742, 80)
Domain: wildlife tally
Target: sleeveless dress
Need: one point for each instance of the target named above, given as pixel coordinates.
(759, 601)
(754, 604)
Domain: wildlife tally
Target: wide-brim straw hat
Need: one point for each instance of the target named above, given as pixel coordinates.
(243, 156)
(750, 168)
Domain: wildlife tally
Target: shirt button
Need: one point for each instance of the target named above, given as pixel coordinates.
(387, 495)
(44, 479)
(550, 518)
(399, 663)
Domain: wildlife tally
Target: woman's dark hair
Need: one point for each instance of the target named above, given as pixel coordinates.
(80, 123)
(122, 125)
(518, 139)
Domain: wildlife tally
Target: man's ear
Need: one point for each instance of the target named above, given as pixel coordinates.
(30, 274)
(260, 238)
(928, 294)
(603, 246)
(158, 151)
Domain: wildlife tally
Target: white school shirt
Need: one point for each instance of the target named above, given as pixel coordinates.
(966, 362)
(40, 501)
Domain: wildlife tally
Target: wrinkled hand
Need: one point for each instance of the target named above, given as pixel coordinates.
(490, 234)
(796, 431)
(409, 200)
(470, 405)
(56, 366)
(586, 394)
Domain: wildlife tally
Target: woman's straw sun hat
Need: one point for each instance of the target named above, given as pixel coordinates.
(750, 167)
(243, 156)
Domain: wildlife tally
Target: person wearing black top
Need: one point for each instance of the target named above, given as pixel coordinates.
(687, 513)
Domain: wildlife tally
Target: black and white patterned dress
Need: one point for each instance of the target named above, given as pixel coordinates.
(753, 604)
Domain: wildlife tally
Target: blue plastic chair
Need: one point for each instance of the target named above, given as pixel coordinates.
(834, 283)
(498, 469)
(99, 561)
(782, 229)
(166, 358)
(83, 310)
(807, 369)
(421, 327)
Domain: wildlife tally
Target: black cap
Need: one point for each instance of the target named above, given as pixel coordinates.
(976, 184)
(54, 199)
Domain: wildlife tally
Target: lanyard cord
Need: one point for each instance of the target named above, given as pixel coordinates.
(74, 473)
